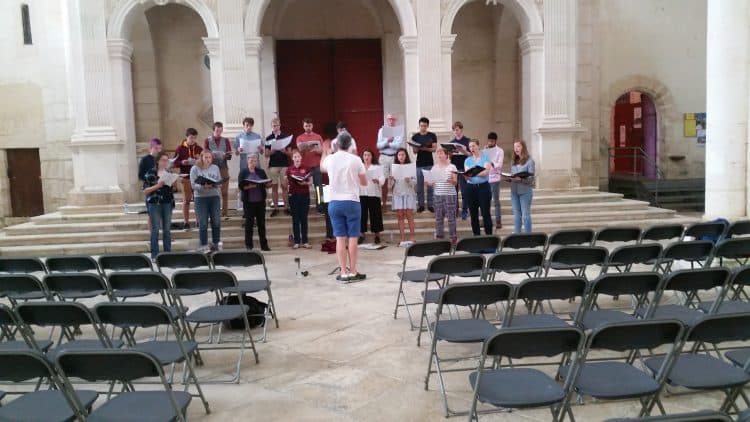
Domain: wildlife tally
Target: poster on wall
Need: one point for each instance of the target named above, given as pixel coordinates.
(695, 127)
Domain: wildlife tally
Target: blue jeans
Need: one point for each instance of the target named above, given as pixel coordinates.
(161, 217)
(208, 207)
(496, 200)
(521, 211)
(420, 188)
(299, 205)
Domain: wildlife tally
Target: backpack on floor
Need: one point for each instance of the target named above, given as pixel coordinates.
(328, 246)
(255, 313)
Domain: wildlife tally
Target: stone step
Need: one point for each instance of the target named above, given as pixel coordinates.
(278, 242)
(282, 226)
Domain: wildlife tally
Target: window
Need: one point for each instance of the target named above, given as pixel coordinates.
(26, 21)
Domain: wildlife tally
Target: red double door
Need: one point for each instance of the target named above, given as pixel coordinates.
(331, 81)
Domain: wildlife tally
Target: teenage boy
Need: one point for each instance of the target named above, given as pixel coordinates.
(222, 151)
(310, 145)
(186, 156)
(278, 162)
(424, 143)
(457, 159)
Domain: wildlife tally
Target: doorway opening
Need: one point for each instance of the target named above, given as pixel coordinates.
(633, 146)
(25, 181)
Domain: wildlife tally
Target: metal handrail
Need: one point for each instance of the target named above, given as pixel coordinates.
(639, 153)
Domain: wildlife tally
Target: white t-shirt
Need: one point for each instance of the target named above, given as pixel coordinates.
(343, 173)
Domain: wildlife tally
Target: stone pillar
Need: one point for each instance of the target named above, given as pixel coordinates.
(532, 83)
(120, 61)
(96, 148)
(727, 109)
(446, 50)
(431, 88)
(557, 149)
(217, 79)
(268, 92)
(411, 83)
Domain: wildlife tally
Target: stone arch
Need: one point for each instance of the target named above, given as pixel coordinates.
(118, 23)
(663, 101)
(525, 11)
(402, 9)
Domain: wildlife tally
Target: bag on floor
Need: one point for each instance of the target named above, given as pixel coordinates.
(328, 246)
(255, 313)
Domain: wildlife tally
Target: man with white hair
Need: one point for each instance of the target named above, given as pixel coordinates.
(346, 174)
(388, 147)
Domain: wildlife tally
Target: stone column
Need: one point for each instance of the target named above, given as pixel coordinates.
(411, 83)
(727, 109)
(532, 83)
(97, 150)
(120, 61)
(217, 79)
(557, 149)
(446, 50)
(430, 43)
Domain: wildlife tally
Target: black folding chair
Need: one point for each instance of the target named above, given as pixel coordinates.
(689, 283)
(698, 371)
(71, 264)
(696, 252)
(129, 284)
(576, 259)
(618, 235)
(581, 237)
(74, 286)
(662, 232)
(712, 230)
(129, 316)
(66, 316)
(214, 282)
(175, 261)
(534, 291)
(244, 259)
(54, 404)
(418, 250)
(738, 228)
(618, 379)
(12, 265)
(10, 331)
(21, 288)
(528, 262)
(737, 249)
(487, 244)
(638, 285)
(474, 329)
(699, 416)
(124, 262)
(624, 257)
(124, 366)
(508, 387)
(525, 241)
(731, 299)
(448, 266)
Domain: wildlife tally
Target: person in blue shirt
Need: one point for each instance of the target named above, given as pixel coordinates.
(478, 191)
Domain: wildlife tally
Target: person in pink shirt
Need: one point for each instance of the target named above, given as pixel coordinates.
(496, 155)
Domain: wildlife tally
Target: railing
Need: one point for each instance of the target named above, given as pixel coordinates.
(638, 155)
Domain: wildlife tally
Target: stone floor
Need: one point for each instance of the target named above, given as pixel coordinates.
(340, 356)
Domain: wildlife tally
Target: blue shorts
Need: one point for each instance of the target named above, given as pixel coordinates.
(345, 218)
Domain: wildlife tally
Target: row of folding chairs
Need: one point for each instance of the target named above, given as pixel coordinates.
(476, 297)
(214, 284)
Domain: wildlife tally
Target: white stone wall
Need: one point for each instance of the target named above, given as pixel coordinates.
(658, 47)
(34, 112)
(145, 83)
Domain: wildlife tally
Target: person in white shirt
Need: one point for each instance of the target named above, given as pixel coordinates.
(496, 155)
(369, 196)
(388, 148)
(346, 174)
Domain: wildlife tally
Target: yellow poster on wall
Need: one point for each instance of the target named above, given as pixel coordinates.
(690, 126)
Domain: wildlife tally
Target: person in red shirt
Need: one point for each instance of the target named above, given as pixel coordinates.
(185, 157)
(310, 145)
(222, 150)
(299, 199)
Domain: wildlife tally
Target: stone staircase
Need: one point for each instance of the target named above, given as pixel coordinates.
(107, 229)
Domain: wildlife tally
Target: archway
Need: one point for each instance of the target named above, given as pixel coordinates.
(633, 136)
(343, 56)
(486, 90)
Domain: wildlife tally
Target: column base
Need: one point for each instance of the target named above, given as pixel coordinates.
(112, 196)
(558, 179)
(557, 155)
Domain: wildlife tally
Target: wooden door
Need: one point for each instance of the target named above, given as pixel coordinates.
(25, 177)
(628, 138)
(330, 81)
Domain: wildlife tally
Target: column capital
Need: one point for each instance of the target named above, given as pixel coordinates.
(253, 46)
(446, 43)
(531, 42)
(213, 46)
(120, 49)
(408, 44)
